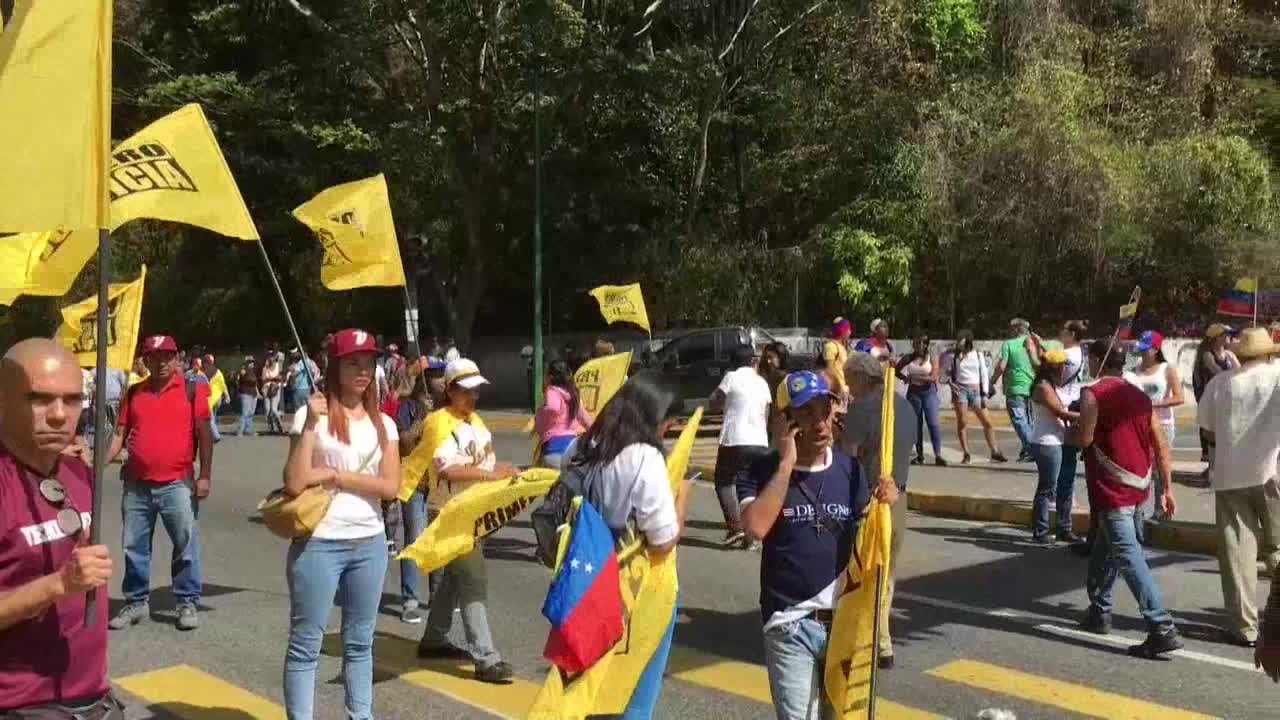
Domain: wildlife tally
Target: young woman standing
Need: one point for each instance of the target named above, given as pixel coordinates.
(271, 392)
(561, 417)
(970, 378)
(920, 371)
(1055, 460)
(247, 388)
(1159, 380)
(342, 443)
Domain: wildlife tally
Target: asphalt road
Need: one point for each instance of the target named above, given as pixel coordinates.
(982, 620)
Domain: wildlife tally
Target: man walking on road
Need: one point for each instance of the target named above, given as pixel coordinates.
(862, 440)
(162, 420)
(1240, 414)
(1120, 436)
(51, 664)
(744, 397)
(1015, 365)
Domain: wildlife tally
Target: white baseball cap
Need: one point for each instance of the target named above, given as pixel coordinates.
(464, 373)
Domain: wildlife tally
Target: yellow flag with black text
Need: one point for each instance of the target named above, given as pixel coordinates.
(354, 224)
(599, 379)
(174, 170)
(79, 330)
(55, 114)
(622, 303)
(53, 269)
(19, 255)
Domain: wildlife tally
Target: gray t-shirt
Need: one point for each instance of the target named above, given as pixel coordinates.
(862, 429)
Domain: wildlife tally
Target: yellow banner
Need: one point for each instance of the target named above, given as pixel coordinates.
(600, 379)
(79, 330)
(479, 511)
(649, 591)
(62, 256)
(18, 257)
(850, 672)
(354, 224)
(55, 114)
(173, 170)
(622, 303)
(417, 465)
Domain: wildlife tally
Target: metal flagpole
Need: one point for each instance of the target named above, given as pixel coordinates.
(101, 439)
(275, 283)
(537, 234)
(411, 322)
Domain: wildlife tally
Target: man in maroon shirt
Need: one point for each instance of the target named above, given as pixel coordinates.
(163, 418)
(1121, 437)
(51, 664)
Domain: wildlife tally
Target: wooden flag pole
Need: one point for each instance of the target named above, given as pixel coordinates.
(101, 436)
(297, 339)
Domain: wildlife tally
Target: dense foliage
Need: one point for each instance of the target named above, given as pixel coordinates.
(938, 162)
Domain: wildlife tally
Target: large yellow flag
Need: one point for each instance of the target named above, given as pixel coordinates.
(649, 590)
(173, 170)
(850, 672)
(622, 303)
(599, 379)
(54, 268)
(55, 114)
(79, 330)
(479, 511)
(354, 224)
(18, 256)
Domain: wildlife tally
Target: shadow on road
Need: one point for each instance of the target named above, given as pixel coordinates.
(183, 711)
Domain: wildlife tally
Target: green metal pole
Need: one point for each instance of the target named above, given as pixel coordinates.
(537, 234)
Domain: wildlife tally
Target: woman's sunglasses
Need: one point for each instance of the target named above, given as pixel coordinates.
(69, 519)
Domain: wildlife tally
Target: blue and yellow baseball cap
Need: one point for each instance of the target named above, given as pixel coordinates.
(801, 387)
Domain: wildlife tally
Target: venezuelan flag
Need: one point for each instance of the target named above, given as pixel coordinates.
(1240, 300)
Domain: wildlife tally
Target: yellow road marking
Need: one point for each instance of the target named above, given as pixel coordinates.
(192, 694)
(751, 681)
(1068, 696)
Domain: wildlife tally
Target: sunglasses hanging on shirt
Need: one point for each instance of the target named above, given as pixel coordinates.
(69, 519)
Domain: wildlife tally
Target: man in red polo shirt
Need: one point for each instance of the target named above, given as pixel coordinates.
(162, 419)
(50, 662)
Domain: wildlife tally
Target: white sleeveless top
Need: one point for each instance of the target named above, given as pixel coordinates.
(1156, 387)
(919, 373)
(1047, 429)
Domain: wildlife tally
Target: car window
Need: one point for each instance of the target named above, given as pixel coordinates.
(730, 340)
(693, 349)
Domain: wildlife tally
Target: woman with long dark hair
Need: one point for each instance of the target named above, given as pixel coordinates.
(969, 375)
(343, 443)
(561, 417)
(624, 446)
(920, 371)
(1212, 357)
(1055, 460)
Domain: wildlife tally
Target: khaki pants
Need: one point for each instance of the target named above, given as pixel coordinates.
(1242, 515)
(899, 513)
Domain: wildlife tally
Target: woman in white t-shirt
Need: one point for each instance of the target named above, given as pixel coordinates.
(625, 444)
(968, 373)
(343, 443)
(744, 397)
(1159, 380)
(920, 371)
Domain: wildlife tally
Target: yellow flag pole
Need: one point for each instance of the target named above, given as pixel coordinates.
(886, 468)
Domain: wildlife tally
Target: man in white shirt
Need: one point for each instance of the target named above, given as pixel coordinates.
(744, 397)
(1240, 413)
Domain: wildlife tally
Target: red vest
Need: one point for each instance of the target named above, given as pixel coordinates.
(1118, 466)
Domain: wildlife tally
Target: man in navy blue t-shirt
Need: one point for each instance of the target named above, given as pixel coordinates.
(804, 502)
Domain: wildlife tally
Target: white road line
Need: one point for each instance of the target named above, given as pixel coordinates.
(1122, 641)
(1034, 620)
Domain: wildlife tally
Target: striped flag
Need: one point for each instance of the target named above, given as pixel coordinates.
(1240, 301)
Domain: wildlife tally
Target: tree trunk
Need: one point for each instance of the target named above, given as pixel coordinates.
(706, 109)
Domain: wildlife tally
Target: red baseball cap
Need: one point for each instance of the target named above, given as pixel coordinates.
(159, 343)
(349, 341)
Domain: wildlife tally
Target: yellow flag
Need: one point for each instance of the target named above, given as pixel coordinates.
(598, 380)
(52, 271)
(649, 590)
(79, 330)
(622, 303)
(850, 672)
(173, 170)
(217, 387)
(417, 465)
(479, 511)
(55, 114)
(18, 257)
(354, 224)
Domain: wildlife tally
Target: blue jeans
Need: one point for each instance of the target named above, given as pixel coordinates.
(644, 699)
(924, 399)
(1117, 550)
(297, 398)
(213, 421)
(1019, 409)
(317, 570)
(1057, 469)
(178, 509)
(413, 515)
(248, 406)
(795, 655)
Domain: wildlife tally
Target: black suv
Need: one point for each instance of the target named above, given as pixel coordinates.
(697, 360)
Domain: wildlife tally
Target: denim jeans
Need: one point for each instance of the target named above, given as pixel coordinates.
(644, 699)
(795, 655)
(178, 510)
(413, 515)
(1019, 409)
(213, 421)
(272, 411)
(924, 400)
(1057, 469)
(1118, 551)
(248, 406)
(464, 586)
(317, 570)
(297, 398)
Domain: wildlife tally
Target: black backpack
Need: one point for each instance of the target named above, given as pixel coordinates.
(577, 479)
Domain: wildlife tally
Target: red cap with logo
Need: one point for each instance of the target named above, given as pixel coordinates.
(159, 343)
(346, 342)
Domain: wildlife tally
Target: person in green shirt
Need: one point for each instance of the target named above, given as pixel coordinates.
(1016, 365)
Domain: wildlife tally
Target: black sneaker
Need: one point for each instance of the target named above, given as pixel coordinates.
(1024, 457)
(499, 672)
(1041, 540)
(939, 462)
(1158, 643)
(448, 651)
(998, 457)
(1069, 537)
(1096, 623)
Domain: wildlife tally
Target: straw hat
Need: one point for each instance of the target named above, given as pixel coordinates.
(1256, 342)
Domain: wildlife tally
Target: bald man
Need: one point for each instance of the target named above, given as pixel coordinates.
(49, 661)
